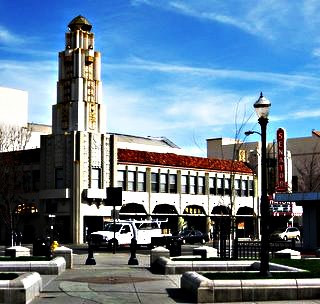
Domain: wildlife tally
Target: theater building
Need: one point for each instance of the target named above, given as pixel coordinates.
(75, 165)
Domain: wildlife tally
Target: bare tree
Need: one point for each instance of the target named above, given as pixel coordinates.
(308, 169)
(234, 155)
(238, 138)
(13, 140)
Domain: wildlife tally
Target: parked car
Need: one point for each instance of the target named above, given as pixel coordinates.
(286, 234)
(189, 236)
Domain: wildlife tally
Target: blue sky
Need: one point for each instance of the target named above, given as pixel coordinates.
(184, 69)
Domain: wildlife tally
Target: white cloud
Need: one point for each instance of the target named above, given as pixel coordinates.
(267, 19)
(6, 37)
(316, 52)
(306, 114)
(289, 80)
(186, 110)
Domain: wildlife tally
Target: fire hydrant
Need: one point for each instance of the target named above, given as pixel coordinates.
(54, 245)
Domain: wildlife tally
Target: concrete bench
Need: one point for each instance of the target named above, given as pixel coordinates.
(214, 291)
(17, 251)
(288, 254)
(155, 255)
(21, 290)
(53, 267)
(206, 252)
(66, 253)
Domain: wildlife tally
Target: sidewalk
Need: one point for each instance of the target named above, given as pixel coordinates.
(111, 280)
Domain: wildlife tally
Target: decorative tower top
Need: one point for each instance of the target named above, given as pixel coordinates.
(80, 23)
(79, 88)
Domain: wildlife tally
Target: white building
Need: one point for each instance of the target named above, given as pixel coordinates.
(14, 107)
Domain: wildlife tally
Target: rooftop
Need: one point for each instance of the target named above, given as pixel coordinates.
(181, 161)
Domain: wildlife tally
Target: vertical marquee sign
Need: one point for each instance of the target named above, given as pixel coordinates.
(282, 185)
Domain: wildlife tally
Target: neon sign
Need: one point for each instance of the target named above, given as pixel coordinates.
(282, 185)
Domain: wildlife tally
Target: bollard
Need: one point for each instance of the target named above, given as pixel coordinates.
(90, 259)
(174, 246)
(133, 247)
(46, 246)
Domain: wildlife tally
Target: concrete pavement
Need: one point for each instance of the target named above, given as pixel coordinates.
(112, 280)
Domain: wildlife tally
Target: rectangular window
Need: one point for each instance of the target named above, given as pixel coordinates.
(237, 187)
(244, 187)
(154, 182)
(131, 180)
(95, 178)
(251, 190)
(192, 184)
(122, 179)
(212, 185)
(201, 185)
(220, 186)
(173, 183)
(227, 186)
(184, 184)
(141, 181)
(163, 182)
(59, 178)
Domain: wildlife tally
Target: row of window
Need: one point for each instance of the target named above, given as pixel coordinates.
(188, 184)
(168, 183)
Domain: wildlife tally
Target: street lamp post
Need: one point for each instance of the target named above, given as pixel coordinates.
(262, 106)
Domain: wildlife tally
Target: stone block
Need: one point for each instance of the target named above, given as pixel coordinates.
(206, 252)
(53, 267)
(268, 289)
(158, 252)
(308, 289)
(22, 289)
(66, 253)
(227, 290)
(17, 251)
(288, 253)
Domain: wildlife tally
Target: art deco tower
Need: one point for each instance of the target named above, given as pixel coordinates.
(75, 158)
(79, 86)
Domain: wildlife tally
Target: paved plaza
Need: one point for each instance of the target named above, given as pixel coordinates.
(112, 280)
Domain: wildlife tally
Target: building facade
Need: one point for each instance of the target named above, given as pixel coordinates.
(301, 169)
(75, 165)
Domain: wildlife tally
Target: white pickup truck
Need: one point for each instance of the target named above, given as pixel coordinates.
(121, 233)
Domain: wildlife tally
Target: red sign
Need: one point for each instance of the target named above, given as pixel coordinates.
(282, 185)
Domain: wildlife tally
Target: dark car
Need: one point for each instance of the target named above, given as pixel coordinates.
(193, 236)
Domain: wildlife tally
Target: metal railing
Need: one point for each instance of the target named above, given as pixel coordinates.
(252, 249)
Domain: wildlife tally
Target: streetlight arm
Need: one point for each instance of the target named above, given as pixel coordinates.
(250, 132)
